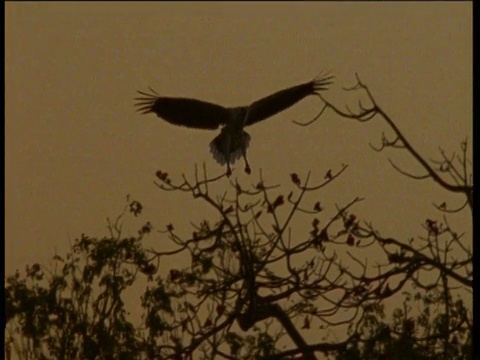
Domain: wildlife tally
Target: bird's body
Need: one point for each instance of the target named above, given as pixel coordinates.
(232, 142)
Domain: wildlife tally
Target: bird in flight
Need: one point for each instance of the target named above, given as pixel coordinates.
(232, 142)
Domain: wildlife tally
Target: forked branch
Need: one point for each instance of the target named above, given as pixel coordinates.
(463, 183)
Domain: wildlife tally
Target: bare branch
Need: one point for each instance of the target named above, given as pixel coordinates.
(416, 177)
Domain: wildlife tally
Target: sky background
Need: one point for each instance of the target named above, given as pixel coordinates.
(75, 147)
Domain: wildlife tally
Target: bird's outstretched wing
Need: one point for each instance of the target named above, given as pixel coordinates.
(283, 99)
(182, 111)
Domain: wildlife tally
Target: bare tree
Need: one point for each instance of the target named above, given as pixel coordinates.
(271, 276)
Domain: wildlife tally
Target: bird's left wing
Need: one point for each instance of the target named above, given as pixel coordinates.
(182, 111)
(283, 99)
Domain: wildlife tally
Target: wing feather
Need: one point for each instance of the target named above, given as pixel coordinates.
(283, 99)
(183, 111)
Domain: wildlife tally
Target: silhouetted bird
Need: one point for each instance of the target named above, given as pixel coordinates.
(232, 142)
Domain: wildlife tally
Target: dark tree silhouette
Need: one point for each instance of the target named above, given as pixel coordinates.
(272, 275)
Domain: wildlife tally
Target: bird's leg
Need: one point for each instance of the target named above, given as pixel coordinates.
(227, 153)
(247, 166)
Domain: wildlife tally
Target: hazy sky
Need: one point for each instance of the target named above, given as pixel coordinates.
(75, 147)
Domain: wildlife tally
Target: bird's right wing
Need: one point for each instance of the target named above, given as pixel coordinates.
(182, 111)
(281, 100)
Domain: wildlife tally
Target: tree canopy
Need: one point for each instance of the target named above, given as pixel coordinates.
(252, 285)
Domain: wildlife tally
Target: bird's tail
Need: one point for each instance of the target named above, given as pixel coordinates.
(218, 148)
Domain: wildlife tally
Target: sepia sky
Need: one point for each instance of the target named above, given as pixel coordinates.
(75, 147)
